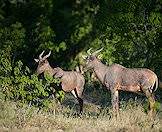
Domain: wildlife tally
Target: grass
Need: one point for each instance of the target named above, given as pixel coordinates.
(97, 116)
(132, 118)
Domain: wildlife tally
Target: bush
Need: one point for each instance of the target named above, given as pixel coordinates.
(25, 87)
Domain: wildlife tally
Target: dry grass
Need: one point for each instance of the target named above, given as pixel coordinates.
(59, 119)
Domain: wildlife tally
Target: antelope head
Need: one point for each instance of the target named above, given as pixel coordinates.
(91, 59)
(43, 63)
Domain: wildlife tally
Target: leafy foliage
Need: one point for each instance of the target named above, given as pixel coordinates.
(26, 88)
(130, 32)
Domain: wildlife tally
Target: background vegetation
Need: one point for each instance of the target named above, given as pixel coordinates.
(129, 30)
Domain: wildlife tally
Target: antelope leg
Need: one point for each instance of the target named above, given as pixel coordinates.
(80, 100)
(115, 101)
(151, 100)
(74, 92)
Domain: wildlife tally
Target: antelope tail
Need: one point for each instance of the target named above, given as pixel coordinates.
(155, 85)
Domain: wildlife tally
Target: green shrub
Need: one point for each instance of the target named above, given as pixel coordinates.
(25, 87)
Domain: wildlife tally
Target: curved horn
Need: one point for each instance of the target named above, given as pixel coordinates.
(96, 52)
(46, 56)
(89, 51)
(84, 56)
(40, 56)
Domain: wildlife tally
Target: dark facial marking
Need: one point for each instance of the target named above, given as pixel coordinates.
(91, 58)
(42, 62)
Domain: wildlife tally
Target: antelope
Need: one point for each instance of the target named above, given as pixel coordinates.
(71, 81)
(43, 65)
(117, 77)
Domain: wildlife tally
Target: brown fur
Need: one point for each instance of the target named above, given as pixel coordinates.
(71, 81)
(116, 78)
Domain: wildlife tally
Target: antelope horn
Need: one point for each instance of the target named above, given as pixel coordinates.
(89, 51)
(84, 56)
(96, 52)
(46, 56)
(40, 56)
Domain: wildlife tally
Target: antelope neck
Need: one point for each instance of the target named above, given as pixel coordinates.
(100, 71)
(50, 70)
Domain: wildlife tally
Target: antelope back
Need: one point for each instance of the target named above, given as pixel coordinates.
(58, 72)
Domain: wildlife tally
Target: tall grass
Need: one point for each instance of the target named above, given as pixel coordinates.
(62, 118)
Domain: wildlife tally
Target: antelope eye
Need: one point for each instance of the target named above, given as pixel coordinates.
(42, 62)
(91, 58)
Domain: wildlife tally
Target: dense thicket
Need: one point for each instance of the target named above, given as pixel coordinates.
(129, 30)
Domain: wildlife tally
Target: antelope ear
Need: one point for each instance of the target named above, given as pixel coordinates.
(36, 60)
